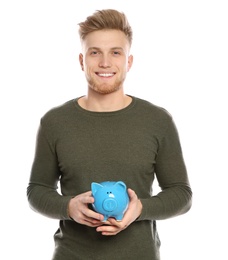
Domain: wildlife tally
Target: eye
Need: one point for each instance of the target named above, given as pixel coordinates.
(116, 53)
(95, 53)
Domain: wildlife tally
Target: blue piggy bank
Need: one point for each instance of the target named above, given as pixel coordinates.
(111, 199)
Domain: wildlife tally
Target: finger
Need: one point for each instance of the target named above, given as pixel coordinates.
(92, 222)
(121, 225)
(87, 198)
(85, 220)
(108, 230)
(89, 212)
(113, 229)
(132, 194)
(114, 222)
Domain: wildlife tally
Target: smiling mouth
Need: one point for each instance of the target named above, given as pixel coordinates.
(105, 75)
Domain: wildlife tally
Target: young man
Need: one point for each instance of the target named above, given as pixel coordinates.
(107, 135)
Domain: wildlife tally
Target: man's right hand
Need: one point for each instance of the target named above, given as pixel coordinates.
(79, 211)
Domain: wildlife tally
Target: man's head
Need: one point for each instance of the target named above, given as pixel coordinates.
(106, 19)
(106, 38)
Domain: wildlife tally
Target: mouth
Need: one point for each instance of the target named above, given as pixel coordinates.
(105, 75)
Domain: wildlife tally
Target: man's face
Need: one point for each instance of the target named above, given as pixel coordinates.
(105, 60)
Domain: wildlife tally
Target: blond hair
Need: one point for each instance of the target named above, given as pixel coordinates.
(105, 19)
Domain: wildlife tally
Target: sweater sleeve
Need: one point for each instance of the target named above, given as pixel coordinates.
(42, 190)
(175, 197)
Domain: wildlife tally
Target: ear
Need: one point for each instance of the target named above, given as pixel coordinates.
(130, 62)
(95, 187)
(120, 185)
(81, 61)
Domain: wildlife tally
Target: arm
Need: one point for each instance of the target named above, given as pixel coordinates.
(176, 195)
(42, 191)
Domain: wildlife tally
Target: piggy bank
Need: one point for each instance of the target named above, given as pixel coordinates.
(110, 199)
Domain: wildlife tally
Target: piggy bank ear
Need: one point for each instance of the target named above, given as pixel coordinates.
(120, 185)
(95, 187)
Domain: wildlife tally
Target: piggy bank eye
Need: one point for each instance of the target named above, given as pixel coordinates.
(109, 192)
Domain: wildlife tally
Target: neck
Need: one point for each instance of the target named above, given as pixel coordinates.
(104, 102)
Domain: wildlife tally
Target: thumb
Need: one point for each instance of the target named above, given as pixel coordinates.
(132, 194)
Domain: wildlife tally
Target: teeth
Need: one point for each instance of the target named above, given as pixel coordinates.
(105, 74)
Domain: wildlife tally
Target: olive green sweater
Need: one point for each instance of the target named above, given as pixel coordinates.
(76, 147)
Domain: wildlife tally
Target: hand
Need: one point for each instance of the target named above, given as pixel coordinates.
(79, 211)
(113, 227)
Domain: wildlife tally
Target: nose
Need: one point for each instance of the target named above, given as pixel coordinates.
(109, 204)
(105, 62)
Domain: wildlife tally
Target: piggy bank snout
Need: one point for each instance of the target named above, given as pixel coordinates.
(109, 204)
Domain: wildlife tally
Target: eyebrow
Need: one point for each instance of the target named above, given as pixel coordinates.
(113, 48)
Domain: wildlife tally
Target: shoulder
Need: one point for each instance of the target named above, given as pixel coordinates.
(156, 118)
(148, 108)
(59, 114)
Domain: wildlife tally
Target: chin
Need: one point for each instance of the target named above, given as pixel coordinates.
(106, 88)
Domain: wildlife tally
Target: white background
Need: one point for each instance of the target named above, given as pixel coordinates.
(180, 53)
